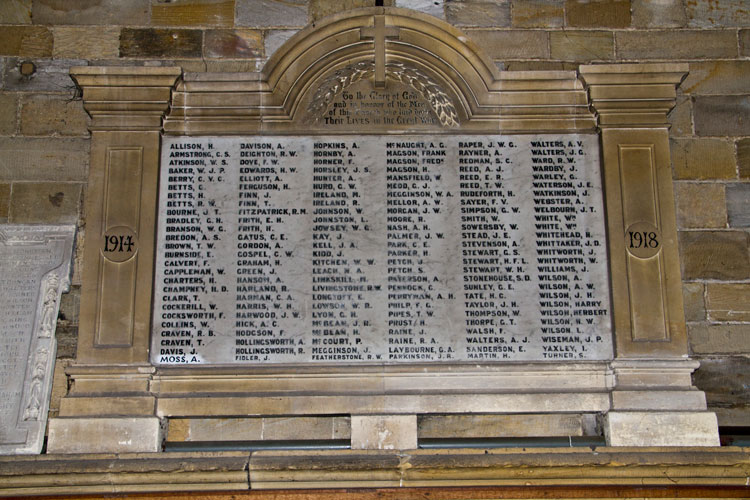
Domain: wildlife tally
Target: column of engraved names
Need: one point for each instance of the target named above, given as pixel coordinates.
(344, 285)
(271, 217)
(417, 248)
(18, 296)
(493, 266)
(567, 295)
(189, 247)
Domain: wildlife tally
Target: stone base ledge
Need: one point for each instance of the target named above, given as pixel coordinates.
(122, 473)
(384, 432)
(638, 428)
(118, 434)
(613, 470)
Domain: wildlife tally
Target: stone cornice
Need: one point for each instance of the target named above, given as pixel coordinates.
(126, 98)
(633, 95)
(426, 54)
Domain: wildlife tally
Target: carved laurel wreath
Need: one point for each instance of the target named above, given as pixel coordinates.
(413, 77)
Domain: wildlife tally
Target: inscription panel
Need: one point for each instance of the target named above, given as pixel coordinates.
(381, 249)
(35, 268)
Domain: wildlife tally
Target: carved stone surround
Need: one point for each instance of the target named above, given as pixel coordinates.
(116, 390)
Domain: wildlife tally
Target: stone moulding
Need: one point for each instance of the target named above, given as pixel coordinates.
(113, 381)
(625, 94)
(520, 388)
(125, 98)
(278, 99)
(601, 473)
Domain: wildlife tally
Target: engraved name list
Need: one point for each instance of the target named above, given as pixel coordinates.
(381, 249)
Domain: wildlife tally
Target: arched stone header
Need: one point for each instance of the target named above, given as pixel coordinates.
(388, 46)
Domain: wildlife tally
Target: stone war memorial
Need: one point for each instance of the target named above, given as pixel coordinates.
(371, 264)
(35, 267)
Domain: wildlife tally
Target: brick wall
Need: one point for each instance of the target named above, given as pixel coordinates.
(44, 144)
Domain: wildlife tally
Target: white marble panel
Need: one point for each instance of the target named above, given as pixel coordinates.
(34, 271)
(381, 249)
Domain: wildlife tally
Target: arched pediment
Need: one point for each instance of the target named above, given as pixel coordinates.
(431, 49)
(381, 53)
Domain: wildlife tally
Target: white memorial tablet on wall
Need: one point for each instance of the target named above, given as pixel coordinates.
(34, 271)
(381, 249)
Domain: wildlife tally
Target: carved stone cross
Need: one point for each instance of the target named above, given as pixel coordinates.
(379, 32)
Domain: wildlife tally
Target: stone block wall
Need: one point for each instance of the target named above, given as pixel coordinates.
(44, 146)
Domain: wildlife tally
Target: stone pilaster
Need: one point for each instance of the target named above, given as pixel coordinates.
(127, 106)
(654, 401)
